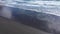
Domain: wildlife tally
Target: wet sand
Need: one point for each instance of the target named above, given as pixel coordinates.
(12, 27)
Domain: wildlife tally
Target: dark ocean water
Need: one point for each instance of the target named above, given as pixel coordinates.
(29, 17)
